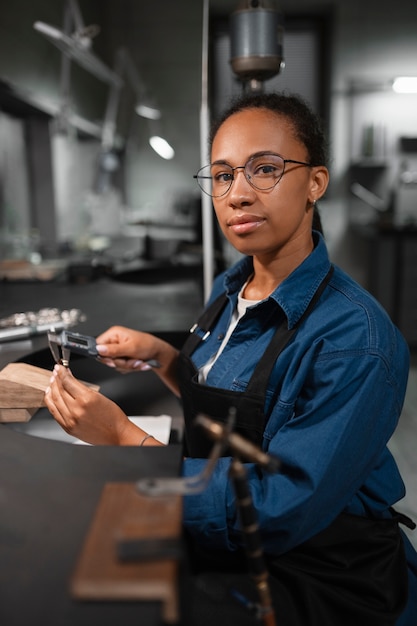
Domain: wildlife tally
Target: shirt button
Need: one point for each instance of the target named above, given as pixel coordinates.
(220, 337)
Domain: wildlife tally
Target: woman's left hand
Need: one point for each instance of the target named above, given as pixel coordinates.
(87, 414)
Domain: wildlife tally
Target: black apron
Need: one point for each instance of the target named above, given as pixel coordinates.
(355, 570)
(215, 402)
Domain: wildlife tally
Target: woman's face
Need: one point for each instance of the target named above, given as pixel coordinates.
(276, 221)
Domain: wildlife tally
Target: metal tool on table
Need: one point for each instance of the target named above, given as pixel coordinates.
(60, 353)
(30, 323)
(65, 342)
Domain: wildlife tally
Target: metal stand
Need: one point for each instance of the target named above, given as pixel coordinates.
(224, 437)
(253, 548)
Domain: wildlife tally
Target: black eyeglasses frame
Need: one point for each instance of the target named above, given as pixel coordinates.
(249, 180)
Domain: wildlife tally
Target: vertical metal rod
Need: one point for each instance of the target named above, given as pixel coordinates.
(206, 203)
(112, 107)
(253, 547)
(76, 14)
(65, 78)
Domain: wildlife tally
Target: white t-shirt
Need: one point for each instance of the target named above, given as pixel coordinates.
(238, 313)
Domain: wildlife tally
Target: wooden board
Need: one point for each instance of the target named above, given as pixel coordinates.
(123, 513)
(22, 390)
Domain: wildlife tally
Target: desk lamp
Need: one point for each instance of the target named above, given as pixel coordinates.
(77, 45)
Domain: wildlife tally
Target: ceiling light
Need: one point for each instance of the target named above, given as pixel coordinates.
(405, 84)
(161, 147)
(148, 111)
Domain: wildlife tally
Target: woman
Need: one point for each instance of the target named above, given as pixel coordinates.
(314, 368)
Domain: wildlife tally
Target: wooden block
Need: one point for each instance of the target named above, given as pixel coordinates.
(17, 415)
(123, 513)
(22, 390)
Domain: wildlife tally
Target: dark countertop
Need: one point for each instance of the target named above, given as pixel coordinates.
(160, 307)
(49, 490)
(155, 306)
(48, 493)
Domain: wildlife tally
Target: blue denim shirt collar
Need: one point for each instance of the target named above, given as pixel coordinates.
(294, 294)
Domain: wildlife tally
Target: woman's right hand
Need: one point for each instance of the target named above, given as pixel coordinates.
(125, 349)
(129, 350)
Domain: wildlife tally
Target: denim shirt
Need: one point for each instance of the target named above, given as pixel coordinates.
(333, 401)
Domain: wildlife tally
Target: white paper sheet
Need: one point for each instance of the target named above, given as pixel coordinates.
(158, 426)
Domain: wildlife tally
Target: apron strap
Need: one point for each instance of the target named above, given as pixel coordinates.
(205, 322)
(259, 380)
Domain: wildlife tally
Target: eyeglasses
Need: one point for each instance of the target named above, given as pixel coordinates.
(262, 172)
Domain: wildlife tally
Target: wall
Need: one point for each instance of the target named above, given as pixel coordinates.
(371, 45)
(165, 41)
(12, 188)
(369, 42)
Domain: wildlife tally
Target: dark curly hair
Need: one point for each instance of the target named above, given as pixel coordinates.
(306, 124)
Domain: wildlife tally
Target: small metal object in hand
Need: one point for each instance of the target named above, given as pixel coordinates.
(65, 342)
(60, 353)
